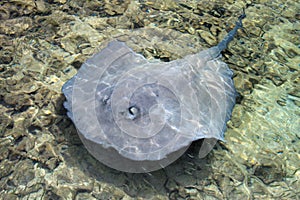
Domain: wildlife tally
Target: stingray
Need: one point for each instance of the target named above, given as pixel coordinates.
(138, 115)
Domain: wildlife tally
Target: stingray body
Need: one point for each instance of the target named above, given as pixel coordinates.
(136, 115)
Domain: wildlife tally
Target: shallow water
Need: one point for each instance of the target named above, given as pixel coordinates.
(43, 44)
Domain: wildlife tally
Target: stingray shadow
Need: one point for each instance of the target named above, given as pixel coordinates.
(187, 171)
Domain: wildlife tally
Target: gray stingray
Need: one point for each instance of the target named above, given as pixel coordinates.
(137, 115)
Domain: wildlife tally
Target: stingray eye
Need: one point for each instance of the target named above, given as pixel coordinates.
(133, 112)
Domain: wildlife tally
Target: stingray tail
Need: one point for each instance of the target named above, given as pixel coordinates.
(223, 44)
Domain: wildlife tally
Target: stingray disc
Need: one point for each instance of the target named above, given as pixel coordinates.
(137, 115)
